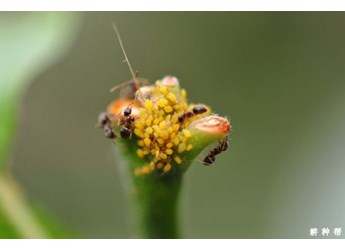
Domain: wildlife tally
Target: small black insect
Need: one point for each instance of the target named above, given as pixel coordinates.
(198, 109)
(127, 112)
(103, 119)
(105, 123)
(108, 132)
(126, 130)
(211, 157)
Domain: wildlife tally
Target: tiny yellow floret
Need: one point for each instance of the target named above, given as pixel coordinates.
(189, 147)
(163, 156)
(149, 130)
(148, 104)
(172, 98)
(164, 135)
(162, 102)
(167, 168)
(147, 142)
(186, 133)
(177, 160)
(140, 153)
(181, 147)
(169, 151)
(163, 89)
(168, 109)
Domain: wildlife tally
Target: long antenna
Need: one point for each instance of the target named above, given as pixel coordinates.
(123, 50)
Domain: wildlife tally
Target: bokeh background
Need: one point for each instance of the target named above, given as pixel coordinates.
(279, 76)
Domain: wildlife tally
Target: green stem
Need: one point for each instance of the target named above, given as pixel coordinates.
(155, 195)
(156, 204)
(154, 198)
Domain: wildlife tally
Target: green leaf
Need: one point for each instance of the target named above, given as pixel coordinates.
(29, 44)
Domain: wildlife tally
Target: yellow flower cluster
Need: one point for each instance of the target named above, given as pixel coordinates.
(162, 138)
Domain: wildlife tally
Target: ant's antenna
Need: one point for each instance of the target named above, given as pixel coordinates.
(123, 50)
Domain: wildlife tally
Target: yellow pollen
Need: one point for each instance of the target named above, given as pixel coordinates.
(143, 170)
(177, 160)
(142, 122)
(163, 89)
(152, 165)
(140, 153)
(156, 121)
(169, 145)
(176, 141)
(162, 102)
(160, 141)
(189, 147)
(159, 165)
(181, 147)
(168, 109)
(164, 135)
(172, 136)
(156, 128)
(138, 133)
(169, 151)
(174, 118)
(176, 127)
(140, 126)
(148, 104)
(163, 156)
(167, 168)
(146, 170)
(149, 130)
(186, 133)
(149, 122)
(172, 98)
(162, 124)
(183, 93)
(147, 142)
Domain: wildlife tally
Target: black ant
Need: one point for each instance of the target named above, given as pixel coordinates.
(105, 123)
(126, 130)
(108, 132)
(198, 109)
(103, 119)
(211, 157)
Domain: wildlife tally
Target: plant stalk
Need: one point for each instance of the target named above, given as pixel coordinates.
(156, 205)
(154, 199)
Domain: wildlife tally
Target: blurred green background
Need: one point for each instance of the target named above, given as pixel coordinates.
(279, 76)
